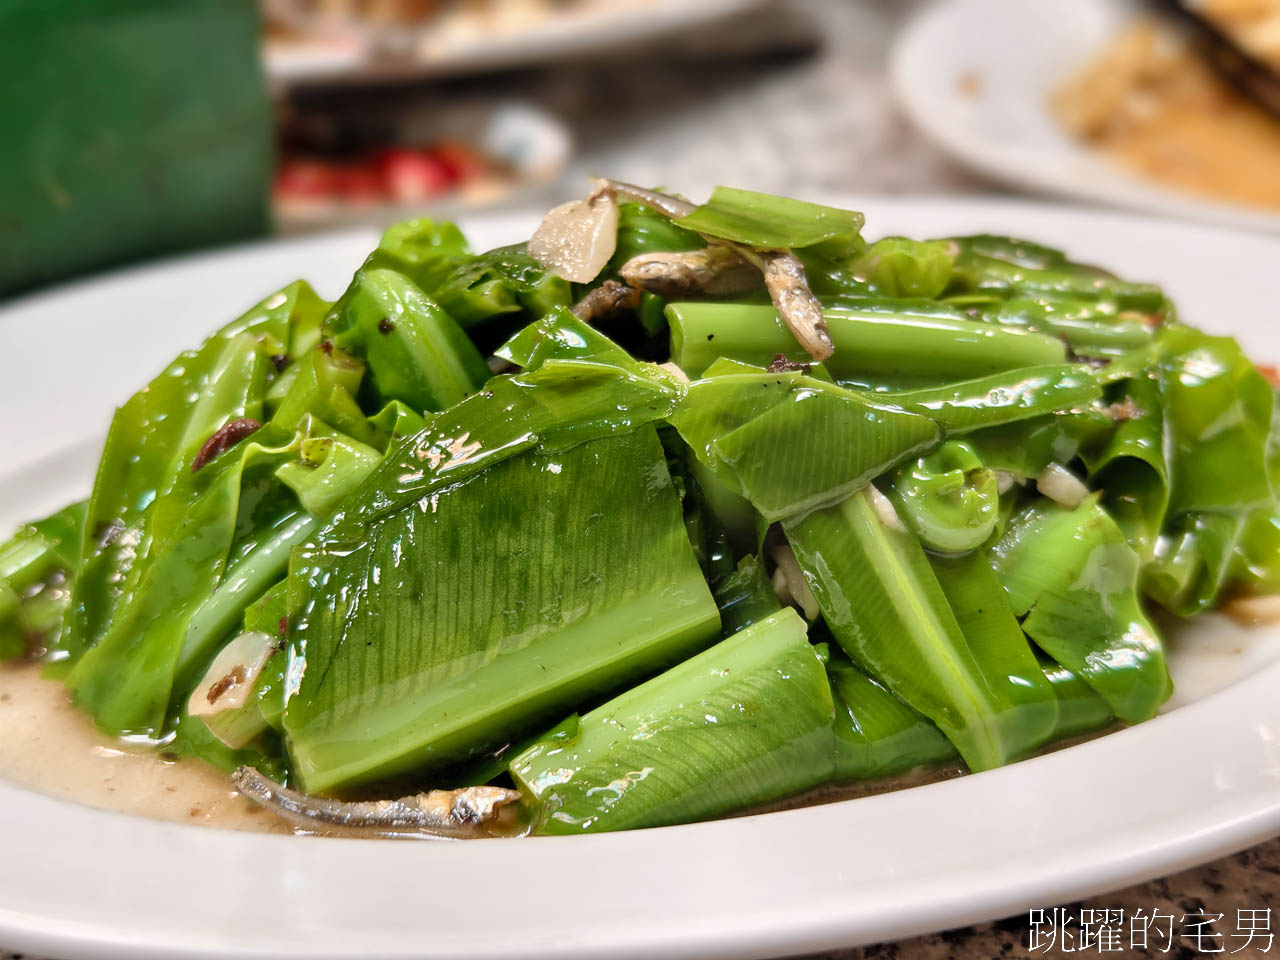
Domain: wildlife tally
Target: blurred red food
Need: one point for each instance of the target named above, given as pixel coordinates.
(410, 176)
(462, 161)
(358, 182)
(299, 178)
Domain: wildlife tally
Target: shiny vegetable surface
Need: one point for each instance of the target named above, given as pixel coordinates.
(759, 507)
(743, 723)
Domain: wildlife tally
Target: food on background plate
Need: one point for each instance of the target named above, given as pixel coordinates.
(395, 175)
(1150, 102)
(674, 511)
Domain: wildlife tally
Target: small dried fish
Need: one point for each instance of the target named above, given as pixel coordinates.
(782, 269)
(455, 814)
(713, 271)
(664, 203)
(796, 304)
(610, 297)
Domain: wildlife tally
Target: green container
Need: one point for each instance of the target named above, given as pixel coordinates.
(131, 128)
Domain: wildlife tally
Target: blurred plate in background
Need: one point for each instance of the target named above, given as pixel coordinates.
(308, 44)
(976, 75)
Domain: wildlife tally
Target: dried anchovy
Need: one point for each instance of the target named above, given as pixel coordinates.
(782, 269)
(713, 271)
(610, 297)
(796, 304)
(664, 203)
(457, 814)
(224, 439)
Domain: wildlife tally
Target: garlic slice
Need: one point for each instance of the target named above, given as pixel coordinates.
(1061, 486)
(789, 582)
(576, 239)
(230, 678)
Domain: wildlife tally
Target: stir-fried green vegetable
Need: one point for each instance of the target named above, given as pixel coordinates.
(331, 546)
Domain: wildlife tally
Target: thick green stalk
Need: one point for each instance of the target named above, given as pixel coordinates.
(977, 272)
(869, 340)
(1090, 328)
(744, 723)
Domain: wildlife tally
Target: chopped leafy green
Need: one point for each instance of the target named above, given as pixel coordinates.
(743, 723)
(770, 222)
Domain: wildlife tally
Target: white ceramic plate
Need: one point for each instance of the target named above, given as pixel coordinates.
(1017, 52)
(1199, 781)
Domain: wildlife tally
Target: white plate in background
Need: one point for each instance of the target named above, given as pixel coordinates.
(975, 77)
(458, 42)
(1199, 781)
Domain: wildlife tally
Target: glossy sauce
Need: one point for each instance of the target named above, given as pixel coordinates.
(49, 746)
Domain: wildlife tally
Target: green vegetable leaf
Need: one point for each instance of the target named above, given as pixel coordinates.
(883, 602)
(745, 597)
(877, 735)
(1001, 398)
(432, 633)
(36, 567)
(415, 351)
(948, 499)
(770, 222)
(789, 443)
(898, 267)
(1075, 577)
(741, 724)
(1130, 466)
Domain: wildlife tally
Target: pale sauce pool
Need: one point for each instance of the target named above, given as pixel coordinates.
(51, 747)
